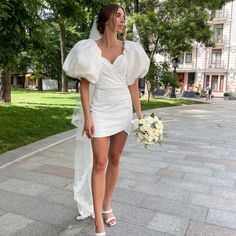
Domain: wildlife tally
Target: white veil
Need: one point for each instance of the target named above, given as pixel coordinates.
(83, 159)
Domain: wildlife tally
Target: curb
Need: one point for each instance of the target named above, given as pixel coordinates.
(19, 154)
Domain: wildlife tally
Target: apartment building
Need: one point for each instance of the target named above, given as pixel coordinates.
(214, 66)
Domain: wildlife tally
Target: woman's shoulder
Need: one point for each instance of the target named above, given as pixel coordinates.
(85, 43)
(133, 45)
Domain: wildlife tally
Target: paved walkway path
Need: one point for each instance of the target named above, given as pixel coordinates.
(187, 186)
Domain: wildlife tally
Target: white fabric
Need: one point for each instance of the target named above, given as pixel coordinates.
(110, 104)
(94, 33)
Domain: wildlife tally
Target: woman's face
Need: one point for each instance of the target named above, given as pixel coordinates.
(117, 22)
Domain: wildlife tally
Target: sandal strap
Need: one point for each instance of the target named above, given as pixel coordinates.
(107, 212)
(110, 219)
(100, 234)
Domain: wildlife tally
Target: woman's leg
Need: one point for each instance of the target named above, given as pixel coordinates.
(100, 157)
(117, 143)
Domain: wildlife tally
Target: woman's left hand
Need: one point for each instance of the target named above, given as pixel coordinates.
(139, 115)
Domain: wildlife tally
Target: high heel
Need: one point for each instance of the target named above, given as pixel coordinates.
(100, 234)
(108, 220)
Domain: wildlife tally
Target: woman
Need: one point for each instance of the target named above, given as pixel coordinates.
(109, 70)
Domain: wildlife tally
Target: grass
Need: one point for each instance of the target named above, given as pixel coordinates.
(34, 115)
(166, 102)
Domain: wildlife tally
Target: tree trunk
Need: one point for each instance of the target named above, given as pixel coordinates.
(6, 86)
(64, 79)
(40, 84)
(136, 6)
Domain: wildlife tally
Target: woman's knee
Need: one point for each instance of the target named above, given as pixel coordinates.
(114, 158)
(100, 165)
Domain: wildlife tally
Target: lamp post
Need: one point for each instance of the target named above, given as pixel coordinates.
(175, 62)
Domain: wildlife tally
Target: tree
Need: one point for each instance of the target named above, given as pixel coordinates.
(16, 21)
(171, 27)
(77, 12)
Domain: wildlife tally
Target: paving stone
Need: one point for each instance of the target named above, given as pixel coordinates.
(132, 214)
(56, 170)
(162, 190)
(59, 196)
(128, 196)
(184, 162)
(185, 185)
(38, 158)
(2, 212)
(222, 218)
(36, 208)
(158, 164)
(203, 229)
(224, 193)
(30, 165)
(188, 169)
(11, 223)
(39, 229)
(36, 177)
(132, 230)
(59, 161)
(174, 174)
(130, 160)
(225, 175)
(126, 183)
(138, 168)
(53, 213)
(175, 208)
(212, 160)
(214, 202)
(137, 176)
(169, 224)
(23, 187)
(209, 180)
(215, 166)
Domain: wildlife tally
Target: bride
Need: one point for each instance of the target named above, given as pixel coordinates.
(109, 70)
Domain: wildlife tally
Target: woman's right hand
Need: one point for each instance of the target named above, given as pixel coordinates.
(89, 128)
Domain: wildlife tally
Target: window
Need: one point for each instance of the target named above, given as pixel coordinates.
(181, 59)
(221, 83)
(216, 58)
(188, 57)
(214, 82)
(218, 33)
(207, 81)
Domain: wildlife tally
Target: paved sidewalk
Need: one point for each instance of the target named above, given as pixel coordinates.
(187, 186)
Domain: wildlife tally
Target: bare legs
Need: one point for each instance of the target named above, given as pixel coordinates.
(100, 152)
(117, 143)
(103, 181)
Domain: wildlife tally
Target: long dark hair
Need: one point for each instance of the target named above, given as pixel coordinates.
(105, 13)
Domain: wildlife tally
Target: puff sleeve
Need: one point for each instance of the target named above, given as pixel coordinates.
(83, 61)
(138, 61)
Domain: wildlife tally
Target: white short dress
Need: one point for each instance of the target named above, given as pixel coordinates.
(110, 102)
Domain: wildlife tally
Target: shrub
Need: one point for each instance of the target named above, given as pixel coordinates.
(226, 94)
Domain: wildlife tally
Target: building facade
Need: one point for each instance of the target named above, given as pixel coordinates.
(214, 66)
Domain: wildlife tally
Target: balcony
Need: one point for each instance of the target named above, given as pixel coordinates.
(216, 66)
(221, 16)
(220, 40)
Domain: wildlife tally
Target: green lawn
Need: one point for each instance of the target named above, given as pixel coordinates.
(34, 115)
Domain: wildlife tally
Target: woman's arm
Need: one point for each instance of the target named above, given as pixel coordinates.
(134, 92)
(88, 122)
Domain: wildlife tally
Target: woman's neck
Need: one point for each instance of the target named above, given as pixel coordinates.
(109, 39)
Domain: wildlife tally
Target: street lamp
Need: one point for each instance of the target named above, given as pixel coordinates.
(175, 62)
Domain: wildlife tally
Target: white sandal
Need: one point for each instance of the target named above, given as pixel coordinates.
(107, 220)
(100, 234)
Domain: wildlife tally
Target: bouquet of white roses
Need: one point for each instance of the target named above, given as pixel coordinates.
(149, 129)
